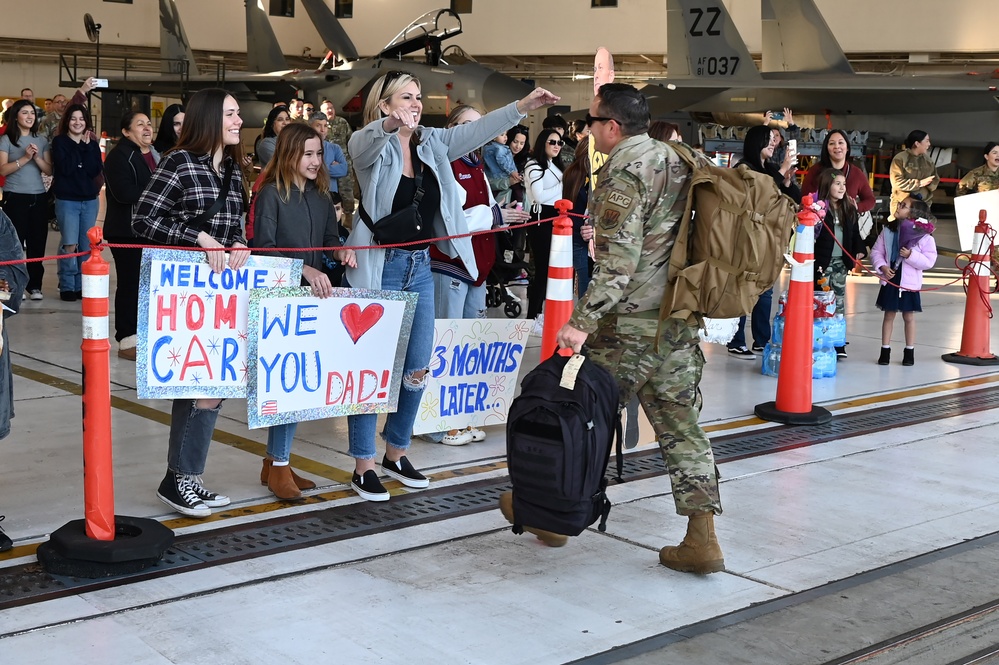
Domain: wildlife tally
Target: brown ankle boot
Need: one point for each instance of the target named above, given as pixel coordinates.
(281, 483)
(300, 482)
(547, 537)
(699, 552)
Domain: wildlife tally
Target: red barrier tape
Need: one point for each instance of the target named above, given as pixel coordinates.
(265, 250)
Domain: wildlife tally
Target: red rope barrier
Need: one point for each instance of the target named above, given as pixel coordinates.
(267, 250)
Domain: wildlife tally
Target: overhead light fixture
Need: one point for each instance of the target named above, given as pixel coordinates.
(581, 77)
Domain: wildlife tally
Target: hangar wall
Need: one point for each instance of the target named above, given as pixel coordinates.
(556, 27)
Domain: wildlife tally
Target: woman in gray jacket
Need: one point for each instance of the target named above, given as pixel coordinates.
(294, 209)
(390, 154)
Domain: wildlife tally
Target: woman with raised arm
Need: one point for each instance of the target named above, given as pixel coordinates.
(399, 162)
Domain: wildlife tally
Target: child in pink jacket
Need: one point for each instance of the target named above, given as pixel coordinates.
(902, 252)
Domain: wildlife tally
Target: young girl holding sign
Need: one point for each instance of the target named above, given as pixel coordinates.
(294, 209)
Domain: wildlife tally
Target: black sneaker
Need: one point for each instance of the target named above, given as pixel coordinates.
(741, 352)
(177, 491)
(6, 544)
(208, 497)
(368, 487)
(758, 348)
(404, 472)
(841, 353)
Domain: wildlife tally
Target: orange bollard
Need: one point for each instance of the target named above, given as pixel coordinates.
(98, 470)
(558, 294)
(794, 379)
(975, 346)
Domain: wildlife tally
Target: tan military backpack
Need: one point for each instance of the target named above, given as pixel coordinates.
(731, 240)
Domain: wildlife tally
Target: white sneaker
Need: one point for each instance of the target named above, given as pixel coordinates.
(35, 294)
(477, 434)
(462, 438)
(538, 328)
(510, 294)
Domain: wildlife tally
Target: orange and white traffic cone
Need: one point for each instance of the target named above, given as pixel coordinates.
(794, 378)
(88, 547)
(98, 469)
(558, 295)
(975, 349)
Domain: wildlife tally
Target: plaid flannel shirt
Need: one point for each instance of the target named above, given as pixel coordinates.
(183, 186)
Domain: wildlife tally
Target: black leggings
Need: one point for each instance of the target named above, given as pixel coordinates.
(126, 294)
(30, 214)
(540, 239)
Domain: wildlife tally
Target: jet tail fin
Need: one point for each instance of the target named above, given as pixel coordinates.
(263, 52)
(330, 31)
(175, 50)
(796, 38)
(703, 42)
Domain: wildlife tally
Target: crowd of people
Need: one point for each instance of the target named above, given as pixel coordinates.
(186, 187)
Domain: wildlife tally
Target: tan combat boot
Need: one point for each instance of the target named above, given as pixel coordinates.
(300, 482)
(547, 537)
(699, 552)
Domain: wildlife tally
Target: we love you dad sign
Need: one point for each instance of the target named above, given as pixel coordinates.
(313, 358)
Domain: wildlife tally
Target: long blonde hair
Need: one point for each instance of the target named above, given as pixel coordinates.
(282, 170)
(383, 89)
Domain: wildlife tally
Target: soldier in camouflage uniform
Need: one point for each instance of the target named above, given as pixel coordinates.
(639, 200)
(986, 177)
(339, 132)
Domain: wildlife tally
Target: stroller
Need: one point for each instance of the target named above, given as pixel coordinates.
(509, 264)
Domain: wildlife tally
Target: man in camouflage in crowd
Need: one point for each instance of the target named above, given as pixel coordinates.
(339, 132)
(50, 123)
(638, 202)
(986, 177)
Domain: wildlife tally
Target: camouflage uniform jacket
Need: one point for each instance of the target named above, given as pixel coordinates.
(977, 180)
(639, 199)
(339, 132)
(906, 171)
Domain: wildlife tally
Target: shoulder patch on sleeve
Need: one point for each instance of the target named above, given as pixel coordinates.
(619, 200)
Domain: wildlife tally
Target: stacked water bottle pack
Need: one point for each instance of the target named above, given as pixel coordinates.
(828, 332)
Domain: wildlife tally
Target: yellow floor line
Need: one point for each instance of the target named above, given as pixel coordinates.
(395, 488)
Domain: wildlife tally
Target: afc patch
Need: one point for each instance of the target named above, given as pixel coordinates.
(618, 199)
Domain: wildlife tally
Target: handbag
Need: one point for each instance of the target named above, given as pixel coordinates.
(401, 225)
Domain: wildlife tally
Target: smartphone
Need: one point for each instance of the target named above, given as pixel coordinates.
(100, 83)
(777, 115)
(792, 146)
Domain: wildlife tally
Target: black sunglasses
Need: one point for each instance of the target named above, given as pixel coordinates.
(555, 142)
(590, 119)
(393, 75)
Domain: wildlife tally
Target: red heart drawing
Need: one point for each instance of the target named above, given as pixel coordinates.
(358, 322)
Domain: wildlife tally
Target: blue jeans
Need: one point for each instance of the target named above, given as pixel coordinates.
(403, 271)
(455, 299)
(279, 438)
(75, 219)
(191, 431)
(581, 264)
(760, 322)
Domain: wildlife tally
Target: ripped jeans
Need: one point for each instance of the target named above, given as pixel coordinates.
(75, 219)
(403, 271)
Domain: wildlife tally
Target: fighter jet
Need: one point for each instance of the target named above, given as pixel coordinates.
(710, 69)
(448, 76)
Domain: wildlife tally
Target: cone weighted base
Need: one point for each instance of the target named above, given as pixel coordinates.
(969, 360)
(816, 416)
(138, 544)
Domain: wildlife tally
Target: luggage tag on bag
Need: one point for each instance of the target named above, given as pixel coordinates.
(571, 371)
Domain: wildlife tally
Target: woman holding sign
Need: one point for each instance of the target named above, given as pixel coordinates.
(294, 209)
(195, 199)
(401, 164)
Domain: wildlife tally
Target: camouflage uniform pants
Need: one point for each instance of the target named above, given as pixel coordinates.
(666, 383)
(835, 276)
(345, 186)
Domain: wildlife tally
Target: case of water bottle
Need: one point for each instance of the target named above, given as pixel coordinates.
(828, 332)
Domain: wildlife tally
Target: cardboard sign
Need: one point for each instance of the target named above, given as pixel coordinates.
(473, 373)
(192, 322)
(313, 358)
(967, 208)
